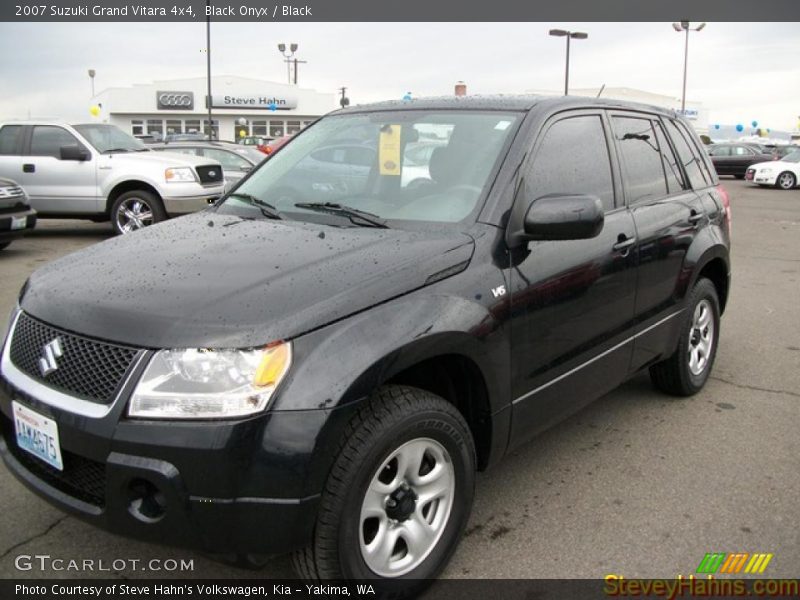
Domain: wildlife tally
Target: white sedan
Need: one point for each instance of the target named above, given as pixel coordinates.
(783, 173)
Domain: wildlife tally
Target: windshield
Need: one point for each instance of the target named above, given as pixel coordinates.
(409, 165)
(107, 138)
(792, 157)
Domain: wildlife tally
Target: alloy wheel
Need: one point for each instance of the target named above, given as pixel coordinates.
(701, 338)
(132, 214)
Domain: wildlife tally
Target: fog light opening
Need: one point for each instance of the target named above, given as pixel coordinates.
(145, 501)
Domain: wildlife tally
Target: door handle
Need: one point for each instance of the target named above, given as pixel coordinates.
(28, 168)
(696, 217)
(624, 242)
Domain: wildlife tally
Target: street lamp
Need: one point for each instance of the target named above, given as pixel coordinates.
(679, 27)
(92, 73)
(570, 35)
(288, 59)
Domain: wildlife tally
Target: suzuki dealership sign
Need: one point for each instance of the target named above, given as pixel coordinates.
(175, 100)
(250, 101)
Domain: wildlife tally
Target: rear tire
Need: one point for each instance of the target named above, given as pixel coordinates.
(136, 210)
(786, 181)
(407, 460)
(687, 370)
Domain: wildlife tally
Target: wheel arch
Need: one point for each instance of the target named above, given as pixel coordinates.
(129, 185)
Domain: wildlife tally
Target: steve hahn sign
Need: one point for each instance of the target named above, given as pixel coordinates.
(175, 100)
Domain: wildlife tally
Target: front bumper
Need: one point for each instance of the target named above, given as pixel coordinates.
(238, 486)
(182, 205)
(760, 177)
(9, 220)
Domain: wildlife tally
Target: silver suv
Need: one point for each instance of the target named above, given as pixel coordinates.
(99, 172)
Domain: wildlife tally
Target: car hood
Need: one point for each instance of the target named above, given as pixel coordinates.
(776, 165)
(209, 280)
(167, 159)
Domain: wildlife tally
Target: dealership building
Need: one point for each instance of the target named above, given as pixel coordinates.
(239, 105)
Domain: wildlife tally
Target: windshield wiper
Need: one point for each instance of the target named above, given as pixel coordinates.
(332, 208)
(267, 209)
(116, 150)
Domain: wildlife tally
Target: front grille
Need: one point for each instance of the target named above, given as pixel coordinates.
(82, 478)
(87, 368)
(209, 174)
(11, 191)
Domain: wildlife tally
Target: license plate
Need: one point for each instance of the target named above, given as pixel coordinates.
(18, 222)
(38, 435)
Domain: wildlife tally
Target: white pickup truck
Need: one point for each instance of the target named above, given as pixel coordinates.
(99, 172)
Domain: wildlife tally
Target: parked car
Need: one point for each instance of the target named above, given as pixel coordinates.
(261, 143)
(733, 159)
(99, 172)
(236, 160)
(273, 145)
(783, 173)
(778, 152)
(328, 374)
(184, 137)
(16, 215)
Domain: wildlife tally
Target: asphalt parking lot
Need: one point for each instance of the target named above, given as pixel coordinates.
(637, 484)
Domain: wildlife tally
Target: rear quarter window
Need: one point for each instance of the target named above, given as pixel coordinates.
(691, 159)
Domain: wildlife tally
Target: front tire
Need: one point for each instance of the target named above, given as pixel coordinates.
(136, 210)
(399, 494)
(786, 181)
(687, 370)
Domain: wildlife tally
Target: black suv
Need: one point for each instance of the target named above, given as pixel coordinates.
(322, 370)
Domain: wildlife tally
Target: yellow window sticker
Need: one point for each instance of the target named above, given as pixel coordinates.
(389, 150)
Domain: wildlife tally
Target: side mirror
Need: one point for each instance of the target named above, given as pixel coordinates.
(73, 152)
(564, 217)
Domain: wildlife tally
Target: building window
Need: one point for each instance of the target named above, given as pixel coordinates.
(306, 124)
(174, 126)
(137, 127)
(238, 128)
(292, 127)
(192, 125)
(155, 127)
(260, 128)
(276, 129)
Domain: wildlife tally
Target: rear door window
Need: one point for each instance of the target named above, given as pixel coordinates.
(642, 164)
(573, 158)
(10, 137)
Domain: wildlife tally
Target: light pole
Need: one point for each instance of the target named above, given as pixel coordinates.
(685, 26)
(92, 73)
(570, 35)
(288, 59)
(208, 70)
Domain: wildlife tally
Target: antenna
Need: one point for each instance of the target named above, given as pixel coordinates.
(601, 90)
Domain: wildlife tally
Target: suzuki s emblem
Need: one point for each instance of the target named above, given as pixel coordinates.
(212, 173)
(52, 351)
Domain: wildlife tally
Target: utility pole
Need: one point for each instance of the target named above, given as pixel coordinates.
(208, 67)
(578, 35)
(295, 68)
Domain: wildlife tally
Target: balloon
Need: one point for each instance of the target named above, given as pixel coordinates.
(94, 110)
(740, 128)
(716, 126)
(769, 130)
(242, 133)
(754, 123)
(407, 97)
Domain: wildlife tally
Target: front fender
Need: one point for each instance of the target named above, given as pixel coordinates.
(344, 362)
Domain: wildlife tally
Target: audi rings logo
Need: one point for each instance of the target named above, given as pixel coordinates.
(175, 100)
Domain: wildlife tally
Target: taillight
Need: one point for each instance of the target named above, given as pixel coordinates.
(726, 205)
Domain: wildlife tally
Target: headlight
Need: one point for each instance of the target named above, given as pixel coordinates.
(179, 175)
(209, 384)
(766, 171)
